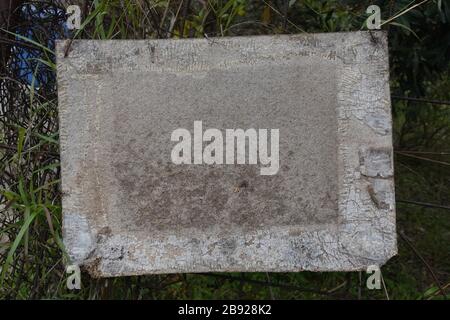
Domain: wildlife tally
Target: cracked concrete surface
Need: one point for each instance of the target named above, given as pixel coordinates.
(128, 210)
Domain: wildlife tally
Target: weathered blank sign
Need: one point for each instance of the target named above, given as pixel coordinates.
(318, 194)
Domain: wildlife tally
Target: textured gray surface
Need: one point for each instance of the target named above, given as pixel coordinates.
(129, 210)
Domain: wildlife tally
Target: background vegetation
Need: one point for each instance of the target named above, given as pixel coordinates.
(31, 254)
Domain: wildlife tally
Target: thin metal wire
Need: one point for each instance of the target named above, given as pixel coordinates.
(424, 204)
(440, 102)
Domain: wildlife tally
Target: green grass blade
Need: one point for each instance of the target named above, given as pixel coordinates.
(37, 44)
(15, 245)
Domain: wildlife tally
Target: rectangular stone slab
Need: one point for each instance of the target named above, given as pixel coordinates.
(128, 209)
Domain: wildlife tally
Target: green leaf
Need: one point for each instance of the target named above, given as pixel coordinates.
(20, 141)
(404, 27)
(37, 44)
(15, 245)
(49, 139)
